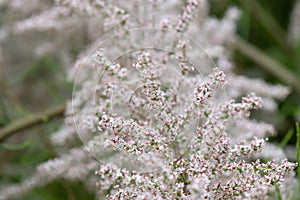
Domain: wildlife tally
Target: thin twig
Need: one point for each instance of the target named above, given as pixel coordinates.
(266, 62)
(30, 121)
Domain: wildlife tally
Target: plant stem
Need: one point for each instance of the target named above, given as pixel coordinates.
(286, 138)
(266, 62)
(278, 194)
(30, 121)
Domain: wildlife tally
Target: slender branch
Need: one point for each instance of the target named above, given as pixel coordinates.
(31, 120)
(266, 62)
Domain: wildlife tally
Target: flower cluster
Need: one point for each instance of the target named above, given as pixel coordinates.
(210, 165)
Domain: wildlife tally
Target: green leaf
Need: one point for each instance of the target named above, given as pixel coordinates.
(286, 138)
(45, 119)
(15, 147)
(298, 142)
(298, 151)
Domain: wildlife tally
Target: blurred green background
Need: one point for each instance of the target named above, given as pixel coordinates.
(264, 24)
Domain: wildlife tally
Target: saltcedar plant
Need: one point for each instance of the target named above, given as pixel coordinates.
(165, 123)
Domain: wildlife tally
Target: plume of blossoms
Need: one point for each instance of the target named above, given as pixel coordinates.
(211, 145)
(212, 166)
(175, 133)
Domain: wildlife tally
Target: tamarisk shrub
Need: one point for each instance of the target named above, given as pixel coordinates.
(159, 110)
